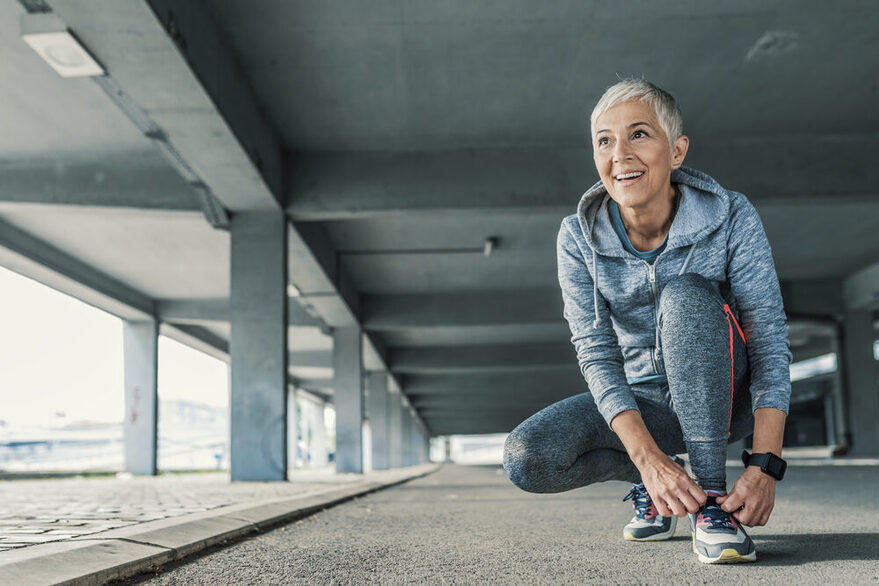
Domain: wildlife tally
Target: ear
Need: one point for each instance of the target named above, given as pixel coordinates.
(679, 151)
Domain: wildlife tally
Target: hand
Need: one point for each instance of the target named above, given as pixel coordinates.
(673, 491)
(752, 497)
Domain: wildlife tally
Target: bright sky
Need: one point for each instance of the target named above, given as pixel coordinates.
(59, 355)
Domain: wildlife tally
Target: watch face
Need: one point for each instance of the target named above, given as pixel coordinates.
(776, 467)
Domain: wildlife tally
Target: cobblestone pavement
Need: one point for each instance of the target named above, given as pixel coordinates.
(40, 511)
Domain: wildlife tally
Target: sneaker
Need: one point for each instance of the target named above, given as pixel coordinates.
(647, 524)
(718, 538)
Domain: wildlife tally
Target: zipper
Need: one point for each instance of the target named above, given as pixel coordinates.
(651, 276)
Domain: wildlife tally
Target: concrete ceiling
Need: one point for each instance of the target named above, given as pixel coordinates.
(399, 135)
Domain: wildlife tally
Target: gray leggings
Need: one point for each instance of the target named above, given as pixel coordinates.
(568, 444)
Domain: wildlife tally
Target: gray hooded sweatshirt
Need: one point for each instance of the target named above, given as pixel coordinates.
(612, 297)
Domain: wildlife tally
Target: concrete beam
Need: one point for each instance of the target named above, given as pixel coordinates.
(116, 183)
(564, 381)
(391, 312)
(812, 297)
(332, 186)
(861, 290)
(198, 338)
(465, 359)
(42, 262)
(311, 358)
(173, 69)
(216, 310)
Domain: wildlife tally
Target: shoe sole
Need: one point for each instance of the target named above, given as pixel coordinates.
(727, 556)
(658, 536)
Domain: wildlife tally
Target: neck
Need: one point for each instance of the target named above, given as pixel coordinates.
(648, 226)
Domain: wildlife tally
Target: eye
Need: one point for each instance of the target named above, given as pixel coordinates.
(603, 141)
(639, 134)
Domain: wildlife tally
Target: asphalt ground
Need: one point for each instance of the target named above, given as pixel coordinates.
(469, 525)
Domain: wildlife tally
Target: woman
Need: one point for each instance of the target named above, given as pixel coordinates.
(675, 312)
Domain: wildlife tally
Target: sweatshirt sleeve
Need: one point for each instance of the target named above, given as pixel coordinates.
(754, 285)
(597, 345)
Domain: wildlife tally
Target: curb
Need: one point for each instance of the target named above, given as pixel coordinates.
(122, 553)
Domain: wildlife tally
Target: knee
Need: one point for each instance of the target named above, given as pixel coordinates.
(686, 291)
(522, 463)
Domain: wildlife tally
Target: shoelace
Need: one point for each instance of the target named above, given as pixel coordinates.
(641, 499)
(716, 517)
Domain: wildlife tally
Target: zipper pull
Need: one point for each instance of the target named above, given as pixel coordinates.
(651, 273)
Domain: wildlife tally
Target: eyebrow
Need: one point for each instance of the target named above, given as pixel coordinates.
(632, 125)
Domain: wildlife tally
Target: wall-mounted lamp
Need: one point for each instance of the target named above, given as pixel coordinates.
(49, 37)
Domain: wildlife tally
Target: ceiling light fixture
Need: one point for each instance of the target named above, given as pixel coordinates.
(490, 245)
(49, 37)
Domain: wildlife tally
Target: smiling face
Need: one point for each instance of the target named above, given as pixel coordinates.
(633, 155)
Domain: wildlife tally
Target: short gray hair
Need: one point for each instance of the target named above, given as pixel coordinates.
(662, 102)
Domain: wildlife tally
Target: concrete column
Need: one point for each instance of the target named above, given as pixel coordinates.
(258, 346)
(395, 428)
(292, 428)
(377, 412)
(348, 368)
(407, 434)
(859, 369)
(318, 444)
(140, 343)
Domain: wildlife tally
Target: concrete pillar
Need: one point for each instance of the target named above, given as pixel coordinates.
(293, 416)
(348, 368)
(140, 343)
(395, 428)
(407, 434)
(377, 402)
(258, 346)
(859, 369)
(318, 444)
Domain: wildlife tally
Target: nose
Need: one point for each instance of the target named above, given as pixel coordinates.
(621, 151)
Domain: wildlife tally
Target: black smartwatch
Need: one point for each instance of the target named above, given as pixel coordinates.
(769, 463)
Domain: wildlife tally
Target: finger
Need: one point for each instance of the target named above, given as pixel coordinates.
(690, 503)
(699, 495)
(677, 508)
(744, 517)
(662, 508)
(733, 502)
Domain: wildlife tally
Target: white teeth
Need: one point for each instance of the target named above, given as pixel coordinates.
(631, 175)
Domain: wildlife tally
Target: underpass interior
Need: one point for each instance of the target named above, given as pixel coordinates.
(361, 202)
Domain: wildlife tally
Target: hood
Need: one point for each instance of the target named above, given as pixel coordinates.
(703, 207)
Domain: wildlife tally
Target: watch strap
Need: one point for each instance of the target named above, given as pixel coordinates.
(769, 463)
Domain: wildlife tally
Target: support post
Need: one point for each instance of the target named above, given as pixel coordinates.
(407, 434)
(395, 428)
(862, 396)
(377, 412)
(348, 368)
(292, 428)
(258, 346)
(140, 429)
(318, 441)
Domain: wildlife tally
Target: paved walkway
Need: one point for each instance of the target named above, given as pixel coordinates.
(94, 530)
(469, 525)
(46, 510)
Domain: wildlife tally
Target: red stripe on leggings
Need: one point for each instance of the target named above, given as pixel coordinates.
(732, 365)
